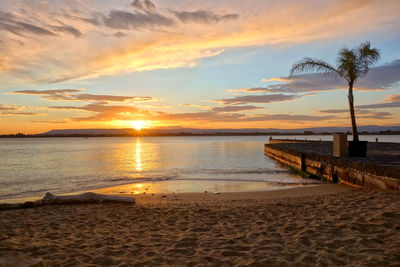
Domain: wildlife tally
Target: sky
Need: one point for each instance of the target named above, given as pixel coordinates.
(78, 64)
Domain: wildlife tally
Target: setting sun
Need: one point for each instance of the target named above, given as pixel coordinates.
(193, 126)
(138, 125)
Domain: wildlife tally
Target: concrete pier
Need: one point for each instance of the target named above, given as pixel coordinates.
(380, 169)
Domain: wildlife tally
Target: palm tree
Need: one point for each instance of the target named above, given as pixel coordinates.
(352, 64)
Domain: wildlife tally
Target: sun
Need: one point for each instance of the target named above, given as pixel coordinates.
(138, 125)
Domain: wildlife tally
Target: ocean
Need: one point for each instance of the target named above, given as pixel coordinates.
(30, 167)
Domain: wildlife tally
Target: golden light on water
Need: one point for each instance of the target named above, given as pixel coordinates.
(138, 156)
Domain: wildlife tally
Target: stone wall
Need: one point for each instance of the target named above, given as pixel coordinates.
(342, 170)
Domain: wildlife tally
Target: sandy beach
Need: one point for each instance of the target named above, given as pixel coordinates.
(305, 226)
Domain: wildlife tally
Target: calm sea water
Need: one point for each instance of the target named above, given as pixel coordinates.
(29, 167)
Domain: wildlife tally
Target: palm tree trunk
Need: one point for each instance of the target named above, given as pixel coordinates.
(352, 114)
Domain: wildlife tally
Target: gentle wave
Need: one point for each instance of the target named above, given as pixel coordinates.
(128, 180)
(142, 179)
(275, 181)
(244, 175)
(224, 177)
(246, 171)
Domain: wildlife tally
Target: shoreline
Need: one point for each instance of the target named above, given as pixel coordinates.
(329, 224)
(173, 186)
(188, 134)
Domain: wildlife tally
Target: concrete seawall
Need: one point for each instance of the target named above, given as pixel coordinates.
(344, 170)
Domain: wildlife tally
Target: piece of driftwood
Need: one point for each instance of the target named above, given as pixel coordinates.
(50, 199)
(84, 198)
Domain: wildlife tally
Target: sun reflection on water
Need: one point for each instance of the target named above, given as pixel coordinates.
(138, 155)
(139, 159)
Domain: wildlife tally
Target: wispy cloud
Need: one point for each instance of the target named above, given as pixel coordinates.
(94, 18)
(11, 113)
(203, 16)
(258, 99)
(196, 106)
(12, 24)
(9, 107)
(103, 112)
(119, 19)
(210, 116)
(20, 110)
(16, 25)
(144, 5)
(392, 98)
(391, 101)
(72, 95)
(313, 82)
(279, 79)
(368, 111)
(67, 29)
(51, 121)
(235, 108)
(47, 92)
(361, 113)
(380, 105)
(119, 34)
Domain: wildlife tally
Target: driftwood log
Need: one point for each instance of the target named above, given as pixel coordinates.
(50, 199)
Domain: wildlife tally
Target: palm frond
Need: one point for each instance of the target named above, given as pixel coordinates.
(351, 63)
(312, 64)
(367, 56)
(347, 64)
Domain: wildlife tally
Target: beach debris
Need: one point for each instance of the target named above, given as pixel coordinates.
(88, 197)
(163, 196)
(217, 193)
(205, 191)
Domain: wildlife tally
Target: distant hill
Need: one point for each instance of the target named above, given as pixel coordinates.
(180, 130)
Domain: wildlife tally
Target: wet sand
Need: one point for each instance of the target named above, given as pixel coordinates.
(310, 225)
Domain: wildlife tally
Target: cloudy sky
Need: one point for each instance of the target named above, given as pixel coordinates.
(203, 64)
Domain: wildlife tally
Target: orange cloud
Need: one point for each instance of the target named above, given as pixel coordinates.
(11, 113)
(86, 41)
(102, 112)
(279, 79)
(72, 95)
(9, 107)
(392, 98)
(262, 99)
(196, 106)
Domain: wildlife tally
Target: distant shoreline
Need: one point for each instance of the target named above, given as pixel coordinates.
(139, 134)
